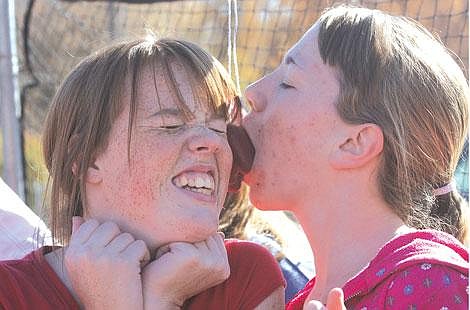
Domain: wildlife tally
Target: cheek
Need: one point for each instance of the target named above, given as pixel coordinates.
(151, 163)
(280, 137)
(224, 165)
(288, 146)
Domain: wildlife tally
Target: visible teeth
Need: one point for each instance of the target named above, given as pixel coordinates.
(195, 181)
(199, 190)
(200, 182)
(183, 181)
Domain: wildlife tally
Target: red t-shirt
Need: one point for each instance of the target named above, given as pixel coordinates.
(30, 283)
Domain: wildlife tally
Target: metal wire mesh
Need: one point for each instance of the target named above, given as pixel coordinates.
(61, 33)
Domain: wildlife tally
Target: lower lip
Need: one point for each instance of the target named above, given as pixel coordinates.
(198, 196)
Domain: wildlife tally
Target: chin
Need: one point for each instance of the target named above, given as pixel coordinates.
(196, 232)
(265, 202)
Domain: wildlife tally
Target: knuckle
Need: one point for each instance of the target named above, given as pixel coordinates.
(140, 244)
(111, 226)
(226, 273)
(194, 262)
(127, 236)
(93, 222)
(193, 257)
(222, 267)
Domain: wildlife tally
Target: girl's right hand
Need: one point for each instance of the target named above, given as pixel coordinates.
(335, 301)
(104, 265)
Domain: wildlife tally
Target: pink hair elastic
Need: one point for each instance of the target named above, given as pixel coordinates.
(449, 187)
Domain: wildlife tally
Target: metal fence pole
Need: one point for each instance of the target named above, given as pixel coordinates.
(10, 109)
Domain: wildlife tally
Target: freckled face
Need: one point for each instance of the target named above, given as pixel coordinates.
(292, 125)
(174, 185)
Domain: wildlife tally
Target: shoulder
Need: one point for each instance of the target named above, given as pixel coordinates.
(254, 276)
(254, 271)
(428, 285)
(16, 269)
(423, 269)
(253, 265)
(251, 257)
(237, 247)
(18, 278)
(30, 282)
(424, 285)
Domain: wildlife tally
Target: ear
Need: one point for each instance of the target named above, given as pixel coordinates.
(93, 174)
(362, 144)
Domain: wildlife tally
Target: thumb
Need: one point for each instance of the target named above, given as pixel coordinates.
(314, 305)
(76, 222)
(335, 300)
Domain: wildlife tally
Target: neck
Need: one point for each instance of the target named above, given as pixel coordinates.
(346, 236)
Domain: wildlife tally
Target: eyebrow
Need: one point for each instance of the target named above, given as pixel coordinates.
(166, 111)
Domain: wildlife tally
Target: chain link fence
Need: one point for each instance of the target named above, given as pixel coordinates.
(60, 33)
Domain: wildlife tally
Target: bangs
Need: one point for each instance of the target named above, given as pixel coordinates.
(211, 86)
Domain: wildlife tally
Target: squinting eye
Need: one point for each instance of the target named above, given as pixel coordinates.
(285, 86)
(218, 130)
(218, 125)
(172, 127)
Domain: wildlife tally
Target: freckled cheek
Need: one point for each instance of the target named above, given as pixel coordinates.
(152, 165)
(280, 138)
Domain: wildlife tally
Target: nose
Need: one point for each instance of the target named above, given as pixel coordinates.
(205, 140)
(255, 96)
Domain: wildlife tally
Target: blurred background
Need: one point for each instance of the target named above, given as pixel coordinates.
(52, 36)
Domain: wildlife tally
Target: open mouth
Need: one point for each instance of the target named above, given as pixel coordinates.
(198, 182)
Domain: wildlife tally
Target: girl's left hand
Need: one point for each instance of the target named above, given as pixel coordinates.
(182, 270)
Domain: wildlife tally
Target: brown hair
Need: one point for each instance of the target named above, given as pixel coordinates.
(395, 74)
(90, 99)
(238, 216)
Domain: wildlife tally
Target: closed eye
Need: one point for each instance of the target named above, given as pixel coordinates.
(171, 127)
(285, 85)
(218, 125)
(218, 130)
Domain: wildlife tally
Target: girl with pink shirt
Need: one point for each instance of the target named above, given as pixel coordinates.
(358, 132)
